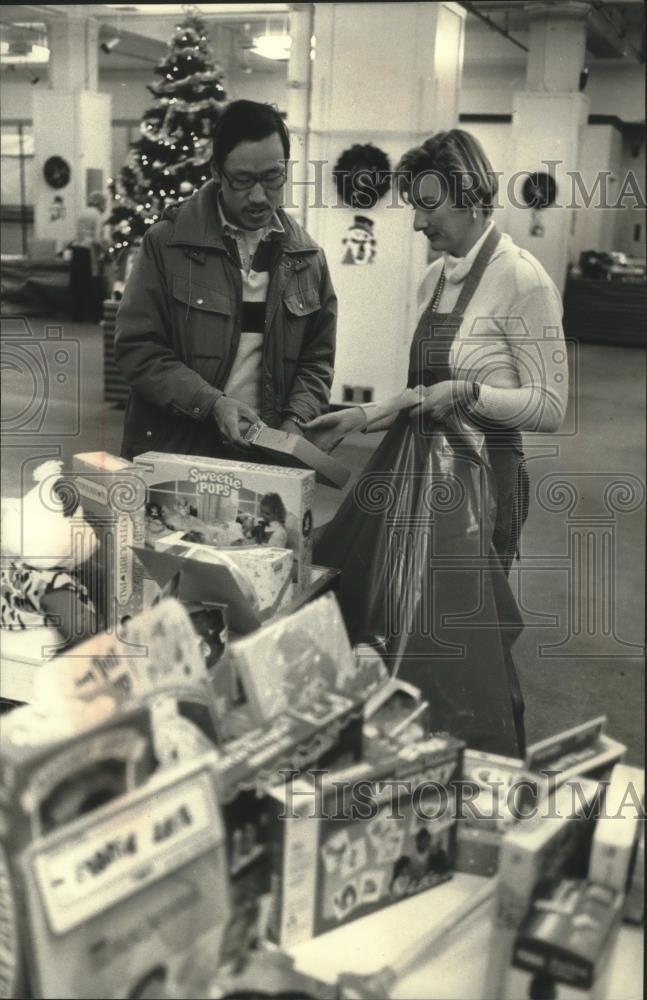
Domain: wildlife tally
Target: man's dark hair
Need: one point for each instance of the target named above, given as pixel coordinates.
(246, 121)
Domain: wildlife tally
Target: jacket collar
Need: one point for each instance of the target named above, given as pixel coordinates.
(197, 224)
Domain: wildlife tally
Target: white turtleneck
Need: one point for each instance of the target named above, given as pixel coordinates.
(510, 340)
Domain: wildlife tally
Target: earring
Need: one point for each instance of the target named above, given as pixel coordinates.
(474, 213)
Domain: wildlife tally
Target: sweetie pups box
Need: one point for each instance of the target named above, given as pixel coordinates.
(222, 503)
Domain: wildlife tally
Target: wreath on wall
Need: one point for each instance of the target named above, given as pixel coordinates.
(362, 175)
(57, 172)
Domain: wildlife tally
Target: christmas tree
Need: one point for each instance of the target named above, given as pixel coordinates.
(171, 158)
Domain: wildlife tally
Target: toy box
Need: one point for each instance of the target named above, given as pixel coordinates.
(617, 829)
(350, 842)
(327, 737)
(157, 660)
(291, 661)
(122, 902)
(568, 933)
(55, 765)
(535, 854)
(221, 502)
(113, 493)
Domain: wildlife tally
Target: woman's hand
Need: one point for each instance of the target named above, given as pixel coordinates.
(444, 398)
(330, 429)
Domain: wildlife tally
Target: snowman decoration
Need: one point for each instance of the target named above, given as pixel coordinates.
(360, 242)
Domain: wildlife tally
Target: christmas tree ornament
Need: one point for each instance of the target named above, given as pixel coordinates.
(170, 153)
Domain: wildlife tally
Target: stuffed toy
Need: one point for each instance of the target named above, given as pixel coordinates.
(46, 541)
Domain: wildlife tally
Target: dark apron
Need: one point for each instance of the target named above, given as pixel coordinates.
(429, 363)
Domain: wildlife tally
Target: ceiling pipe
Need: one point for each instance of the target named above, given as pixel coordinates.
(471, 9)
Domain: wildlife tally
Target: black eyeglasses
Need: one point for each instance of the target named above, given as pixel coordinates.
(270, 180)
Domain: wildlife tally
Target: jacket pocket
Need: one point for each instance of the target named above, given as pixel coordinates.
(206, 315)
(300, 307)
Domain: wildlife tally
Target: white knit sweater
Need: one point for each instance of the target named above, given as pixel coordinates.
(511, 339)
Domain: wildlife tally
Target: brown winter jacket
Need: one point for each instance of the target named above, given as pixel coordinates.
(178, 330)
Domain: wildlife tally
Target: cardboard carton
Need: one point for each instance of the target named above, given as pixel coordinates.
(293, 449)
(114, 500)
(617, 829)
(121, 902)
(535, 854)
(347, 843)
(293, 659)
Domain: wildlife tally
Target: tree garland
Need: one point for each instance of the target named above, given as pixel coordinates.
(170, 159)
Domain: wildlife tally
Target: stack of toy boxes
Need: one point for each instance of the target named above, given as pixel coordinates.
(113, 495)
(229, 504)
(350, 842)
(496, 791)
(535, 855)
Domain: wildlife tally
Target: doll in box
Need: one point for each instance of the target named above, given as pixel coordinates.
(46, 545)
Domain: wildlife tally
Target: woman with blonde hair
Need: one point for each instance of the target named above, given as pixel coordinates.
(487, 361)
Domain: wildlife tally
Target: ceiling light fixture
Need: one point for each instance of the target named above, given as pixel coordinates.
(110, 41)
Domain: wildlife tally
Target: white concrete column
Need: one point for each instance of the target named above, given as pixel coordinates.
(390, 76)
(298, 108)
(548, 121)
(72, 121)
(73, 51)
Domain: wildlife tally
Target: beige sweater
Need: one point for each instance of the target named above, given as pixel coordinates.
(511, 339)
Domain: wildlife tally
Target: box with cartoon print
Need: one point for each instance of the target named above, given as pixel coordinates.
(347, 843)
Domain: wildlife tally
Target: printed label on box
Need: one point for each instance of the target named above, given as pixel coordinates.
(125, 853)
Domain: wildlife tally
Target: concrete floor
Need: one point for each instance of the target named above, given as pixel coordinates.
(598, 670)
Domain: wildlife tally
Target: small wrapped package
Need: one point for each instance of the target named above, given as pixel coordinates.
(350, 842)
(264, 574)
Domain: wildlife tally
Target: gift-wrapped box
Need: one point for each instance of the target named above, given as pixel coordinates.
(264, 574)
(292, 660)
(350, 842)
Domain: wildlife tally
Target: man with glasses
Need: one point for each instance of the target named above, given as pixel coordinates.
(229, 313)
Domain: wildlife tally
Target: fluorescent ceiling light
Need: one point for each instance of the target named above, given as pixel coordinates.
(244, 9)
(36, 54)
(272, 46)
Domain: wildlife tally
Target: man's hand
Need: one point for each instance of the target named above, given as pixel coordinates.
(330, 430)
(292, 427)
(234, 419)
(444, 398)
